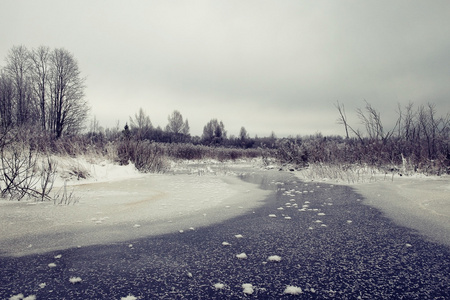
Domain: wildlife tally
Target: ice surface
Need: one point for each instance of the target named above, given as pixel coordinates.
(121, 204)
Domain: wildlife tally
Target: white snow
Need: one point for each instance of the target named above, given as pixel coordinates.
(274, 258)
(239, 236)
(129, 297)
(272, 216)
(248, 288)
(75, 280)
(242, 256)
(226, 244)
(219, 286)
(52, 265)
(22, 297)
(292, 290)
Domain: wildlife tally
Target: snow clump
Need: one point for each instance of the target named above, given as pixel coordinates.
(293, 290)
(242, 256)
(219, 286)
(22, 297)
(75, 280)
(248, 288)
(274, 258)
(129, 297)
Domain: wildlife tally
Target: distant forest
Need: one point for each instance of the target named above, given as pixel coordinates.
(42, 105)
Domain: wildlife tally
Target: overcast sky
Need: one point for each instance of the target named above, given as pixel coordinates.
(266, 65)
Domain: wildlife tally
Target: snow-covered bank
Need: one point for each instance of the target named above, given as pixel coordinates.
(419, 202)
(85, 170)
(117, 203)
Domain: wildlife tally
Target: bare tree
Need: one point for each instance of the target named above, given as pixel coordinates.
(6, 100)
(141, 124)
(214, 132)
(68, 109)
(243, 135)
(186, 128)
(18, 69)
(342, 117)
(176, 124)
(40, 74)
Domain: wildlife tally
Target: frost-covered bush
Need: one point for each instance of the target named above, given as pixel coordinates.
(146, 156)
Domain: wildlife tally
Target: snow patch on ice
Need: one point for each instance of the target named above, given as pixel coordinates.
(129, 297)
(219, 286)
(274, 258)
(293, 290)
(74, 280)
(248, 288)
(22, 297)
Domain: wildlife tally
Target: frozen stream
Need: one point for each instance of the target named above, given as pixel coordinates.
(115, 211)
(218, 237)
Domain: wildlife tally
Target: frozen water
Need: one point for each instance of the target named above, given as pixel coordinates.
(112, 203)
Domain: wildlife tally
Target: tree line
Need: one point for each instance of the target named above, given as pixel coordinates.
(177, 130)
(42, 91)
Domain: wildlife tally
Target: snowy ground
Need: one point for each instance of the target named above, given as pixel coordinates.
(117, 203)
(419, 202)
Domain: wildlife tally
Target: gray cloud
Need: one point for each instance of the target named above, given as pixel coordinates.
(265, 65)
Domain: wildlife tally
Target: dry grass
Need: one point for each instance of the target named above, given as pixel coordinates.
(349, 174)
